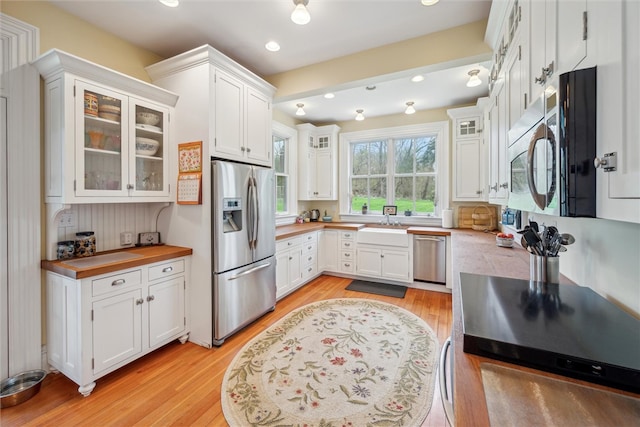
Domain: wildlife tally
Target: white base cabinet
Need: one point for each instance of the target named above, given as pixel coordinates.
(328, 250)
(99, 324)
(296, 262)
(391, 264)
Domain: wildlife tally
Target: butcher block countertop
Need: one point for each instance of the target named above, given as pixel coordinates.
(143, 255)
(285, 231)
(476, 252)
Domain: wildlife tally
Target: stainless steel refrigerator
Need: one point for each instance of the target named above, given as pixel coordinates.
(244, 273)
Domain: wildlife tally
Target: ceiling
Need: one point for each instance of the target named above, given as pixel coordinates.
(241, 28)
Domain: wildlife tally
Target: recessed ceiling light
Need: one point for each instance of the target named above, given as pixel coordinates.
(170, 3)
(417, 78)
(329, 95)
(429, 2)
(272, 46)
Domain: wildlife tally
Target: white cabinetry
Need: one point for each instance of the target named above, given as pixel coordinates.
(618, 110)
(296, 262)
(98, 149)
(383, 259)
(497, 136)
(242, 121)
(328, 250)
(347, 254)
(318, 160)
(469, 160)
(99, 324)
(221, 103)
(542, 44)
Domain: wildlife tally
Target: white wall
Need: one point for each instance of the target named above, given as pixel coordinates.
(605, 257)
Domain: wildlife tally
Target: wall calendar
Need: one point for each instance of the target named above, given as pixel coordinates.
(190, 173)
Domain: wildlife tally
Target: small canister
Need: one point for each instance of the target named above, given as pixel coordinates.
(85, 244)
(66, 249)
(91, 104)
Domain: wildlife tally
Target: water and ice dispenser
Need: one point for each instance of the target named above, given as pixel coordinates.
(231, 214)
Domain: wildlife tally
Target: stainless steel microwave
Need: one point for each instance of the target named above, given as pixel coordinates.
(552, 147)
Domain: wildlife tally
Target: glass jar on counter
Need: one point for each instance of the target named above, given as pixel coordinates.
(66, 249)
(85, 244)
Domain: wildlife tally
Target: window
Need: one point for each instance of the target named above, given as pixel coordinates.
(280, 158)
(285, 157)
(404, 166)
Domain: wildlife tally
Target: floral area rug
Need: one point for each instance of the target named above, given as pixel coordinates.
(340, 362)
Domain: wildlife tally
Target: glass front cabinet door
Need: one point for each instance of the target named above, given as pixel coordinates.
(120, 145)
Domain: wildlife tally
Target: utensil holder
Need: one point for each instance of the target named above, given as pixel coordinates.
(544, 269)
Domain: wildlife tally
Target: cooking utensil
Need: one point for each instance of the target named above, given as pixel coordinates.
(534, 225)
(533, 240)
(568, 239)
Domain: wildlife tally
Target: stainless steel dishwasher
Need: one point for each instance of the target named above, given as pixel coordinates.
(430, 258)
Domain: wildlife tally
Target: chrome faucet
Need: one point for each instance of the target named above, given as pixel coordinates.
(387, 219)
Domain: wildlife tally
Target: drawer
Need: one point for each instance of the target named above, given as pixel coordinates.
(347, 244)
(167, 269)
(116, 282)
(347, 266)
(347, 235)
(346, 255)
(309, 247)
(285, 244)
(310, 237)
(308, 259)
(309, 271)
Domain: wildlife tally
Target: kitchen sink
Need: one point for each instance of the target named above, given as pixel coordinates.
(383, 236)
(97, 260)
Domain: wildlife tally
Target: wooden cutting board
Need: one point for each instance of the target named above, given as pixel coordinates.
(465, 215)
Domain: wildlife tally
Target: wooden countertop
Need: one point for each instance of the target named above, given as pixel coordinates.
(476, 252)
(149, 254)
(285, 231)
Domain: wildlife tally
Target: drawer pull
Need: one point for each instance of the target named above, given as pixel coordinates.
(309, 247)
(289, 243)
(347, 254)
(139, 301)
(150, 298)
(309, 237)
(347, 244)
(347, 235)
(118, 282)
(167, 269)
(310, 258)
(290, 257)
(309, 270)
(346, 264)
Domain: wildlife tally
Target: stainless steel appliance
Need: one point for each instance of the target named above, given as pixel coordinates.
(244, 273)
(566, 329)
(551, 150)
(314, 215)
(430, 258)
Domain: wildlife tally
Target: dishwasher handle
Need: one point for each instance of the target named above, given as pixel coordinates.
(431, 239)
(447, 403)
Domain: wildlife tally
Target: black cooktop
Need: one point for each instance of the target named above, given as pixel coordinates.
(566, 329)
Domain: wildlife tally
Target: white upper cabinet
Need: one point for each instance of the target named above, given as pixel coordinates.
(498, 187)
(469, 159)
(542, 44)
(318, 162)
(573, 34)
(107, 136)
(221, 103)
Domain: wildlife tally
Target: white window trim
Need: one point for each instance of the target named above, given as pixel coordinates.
(291, 134)
(442, 148)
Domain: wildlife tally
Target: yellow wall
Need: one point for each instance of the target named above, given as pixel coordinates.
(61, 30)
(448, 45)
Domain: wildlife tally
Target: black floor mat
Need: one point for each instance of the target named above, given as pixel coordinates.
(377, 288)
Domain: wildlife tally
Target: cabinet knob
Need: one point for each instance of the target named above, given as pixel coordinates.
(248, 150)
(494, 187)
(242, 149)
(150, 298)
(479, 192)
(504, 185)
(290, 258)
(139, 301)
(381, 256)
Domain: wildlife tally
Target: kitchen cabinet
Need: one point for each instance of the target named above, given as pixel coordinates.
(618, 127)
(541, 45)
(498, 188)
(288, 265)
(309, 256)
(221, 103)
(328, 250)
(347, 253)
(107, 136)
(318, 157)
(573, 34)
(98, 324)
(242, 121)
(383, 263)
(469, 161)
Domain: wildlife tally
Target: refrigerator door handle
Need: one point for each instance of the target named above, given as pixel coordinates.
(250, 212)
(250, 271)
(256, 212)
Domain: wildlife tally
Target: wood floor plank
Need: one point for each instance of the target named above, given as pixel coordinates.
(180, 385)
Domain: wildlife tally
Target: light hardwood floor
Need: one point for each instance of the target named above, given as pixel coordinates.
(180, 384)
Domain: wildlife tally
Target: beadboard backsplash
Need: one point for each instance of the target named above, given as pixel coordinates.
(108, 220)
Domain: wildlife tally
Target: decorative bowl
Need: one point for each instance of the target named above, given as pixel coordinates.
(504, 242)
(147, 118)
(19, 388)
(326, 219)
(109, 112)
(146, 146)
